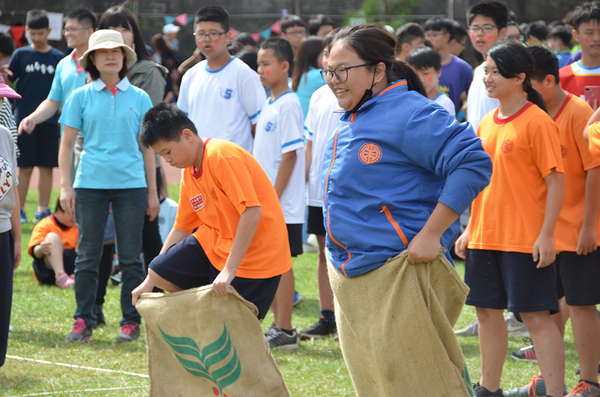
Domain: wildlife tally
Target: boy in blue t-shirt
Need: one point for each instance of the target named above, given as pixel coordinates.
(33, 69)
(279, 149)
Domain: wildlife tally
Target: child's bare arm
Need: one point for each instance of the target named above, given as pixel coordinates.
(241, 242)
(288, 161)
(308, 159)
(587, 241)
(595, 117)
(15, 222)
(67, 196)
(543, 249)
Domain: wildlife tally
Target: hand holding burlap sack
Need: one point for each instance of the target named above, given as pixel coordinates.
(396, 328)
(200, 344)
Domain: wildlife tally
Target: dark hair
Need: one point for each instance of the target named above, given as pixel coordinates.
(555, 23)
(424, 58)
(290, 21)
(374, 44)
(513, 59)
(537, 29)
(164, 122)
(213, 14)
(168, 58)
(83, 16)
(562, 33)
(329, 38)
(245, 39)
(492, 9)
(249, 57)
(407, 33)
(121, 16)
(95, 74)
(307, 56)
(316, 21)
(438, 24)
(584, 13)
(282, 49)
(233, 48)
(458, 31)
(7, 45)
(37, 19)
(545, 63)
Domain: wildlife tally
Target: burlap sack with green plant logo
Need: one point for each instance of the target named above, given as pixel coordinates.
(396, 329)
(201, 344)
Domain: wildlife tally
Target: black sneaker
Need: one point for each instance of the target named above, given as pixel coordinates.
(321, 329)
(279, 339)
(481, 391)
(98, 315)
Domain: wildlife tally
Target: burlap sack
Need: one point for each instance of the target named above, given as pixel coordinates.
(396, 329)
(201, 344)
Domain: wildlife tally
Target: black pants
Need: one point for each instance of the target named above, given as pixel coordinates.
(7, 260)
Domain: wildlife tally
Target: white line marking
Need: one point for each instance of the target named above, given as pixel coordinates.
(78, 366)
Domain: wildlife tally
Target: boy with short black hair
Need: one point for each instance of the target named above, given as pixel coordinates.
(456, 75)
(320, 25)
(279, 149)
(33, 69)
(559, 40)
(487, 24)
(239, 240)
(586, 31)
(427, 63)
(293, 29)
(220, 93)
(458, 38)
(408, 37)
(52, 245)
(536, 33)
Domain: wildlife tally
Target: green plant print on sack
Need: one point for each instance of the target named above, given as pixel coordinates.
(217, 362)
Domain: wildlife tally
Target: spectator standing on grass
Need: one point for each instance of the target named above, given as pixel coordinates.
(320, 25)
(408, 37)
(306, 78)
(33, 68)
(293, 29)
(559, 41)
(113, 169)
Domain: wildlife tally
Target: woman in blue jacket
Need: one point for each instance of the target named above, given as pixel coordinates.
(399, 169)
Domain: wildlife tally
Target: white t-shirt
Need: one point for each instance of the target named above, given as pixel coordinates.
(443, 100)
(223, 103)
(478, 102)
(322, 119)
(278, 131)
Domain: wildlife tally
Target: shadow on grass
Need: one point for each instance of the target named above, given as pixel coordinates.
(10, 383)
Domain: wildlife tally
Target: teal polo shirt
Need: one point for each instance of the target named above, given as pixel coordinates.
(110, 123)
(67, 78)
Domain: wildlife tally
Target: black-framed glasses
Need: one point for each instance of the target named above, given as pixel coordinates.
(214, 35)
(341, 72)
(487, 28)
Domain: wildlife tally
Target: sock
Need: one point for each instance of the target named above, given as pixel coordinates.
(595, 384)
(288, 331)
(329, 315)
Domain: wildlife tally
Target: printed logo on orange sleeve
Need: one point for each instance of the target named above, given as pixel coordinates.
(370, 153)
(563, 151)
(507, 146)
(197, 202)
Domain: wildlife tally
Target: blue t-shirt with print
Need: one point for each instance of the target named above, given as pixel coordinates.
(33, 71)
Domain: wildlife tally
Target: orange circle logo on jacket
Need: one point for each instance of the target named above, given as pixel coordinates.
(507, 146)
(369, 153)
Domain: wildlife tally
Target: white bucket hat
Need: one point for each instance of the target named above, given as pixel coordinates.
(106, 39)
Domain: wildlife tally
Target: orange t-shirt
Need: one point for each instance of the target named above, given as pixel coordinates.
(594, 138)
(68, 236)
(524, 148)
(213, 198)
(571, 119)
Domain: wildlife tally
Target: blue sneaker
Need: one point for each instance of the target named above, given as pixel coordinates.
(23, 216)
(41, 215)
(298, 299)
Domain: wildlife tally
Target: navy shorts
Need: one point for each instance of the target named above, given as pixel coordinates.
(577, 278)
(315, 223)
(509, 280)
(40, 148)
(186, 265)
(45, 275)
(295, 238)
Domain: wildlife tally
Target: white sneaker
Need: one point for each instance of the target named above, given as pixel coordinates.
(471, 330)
(10, 328)
(515, 327)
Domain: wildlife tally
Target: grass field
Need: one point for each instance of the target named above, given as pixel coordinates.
(42, 317)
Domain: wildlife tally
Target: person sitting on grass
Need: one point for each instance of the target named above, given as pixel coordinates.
(52, 245)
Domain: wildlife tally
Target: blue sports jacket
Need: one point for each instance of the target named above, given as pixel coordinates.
(385, 169)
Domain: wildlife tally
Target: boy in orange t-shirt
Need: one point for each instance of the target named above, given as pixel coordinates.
(52, 246)
(240, 238)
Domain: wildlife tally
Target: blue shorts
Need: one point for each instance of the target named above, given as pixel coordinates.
(577, 278)
(509, 280)
(45, 275)
(40, 148)
(186, 265)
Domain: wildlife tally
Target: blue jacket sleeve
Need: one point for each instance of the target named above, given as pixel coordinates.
(435, 141)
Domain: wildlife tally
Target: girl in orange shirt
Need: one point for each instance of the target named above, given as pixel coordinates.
(509, 264)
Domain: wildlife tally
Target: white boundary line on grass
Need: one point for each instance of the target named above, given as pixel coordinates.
(78, 366)
(75, 391)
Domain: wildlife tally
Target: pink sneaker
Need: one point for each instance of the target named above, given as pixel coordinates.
(63, 281)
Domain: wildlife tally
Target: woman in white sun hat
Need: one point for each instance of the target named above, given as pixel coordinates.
(113, 168)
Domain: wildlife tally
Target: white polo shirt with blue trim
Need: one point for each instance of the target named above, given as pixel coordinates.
(223, 103)
(279, 130)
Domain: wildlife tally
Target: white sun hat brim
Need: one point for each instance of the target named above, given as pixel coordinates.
(106, 39)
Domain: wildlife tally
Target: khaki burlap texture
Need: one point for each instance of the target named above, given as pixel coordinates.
(396, 329)
(201, 344)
